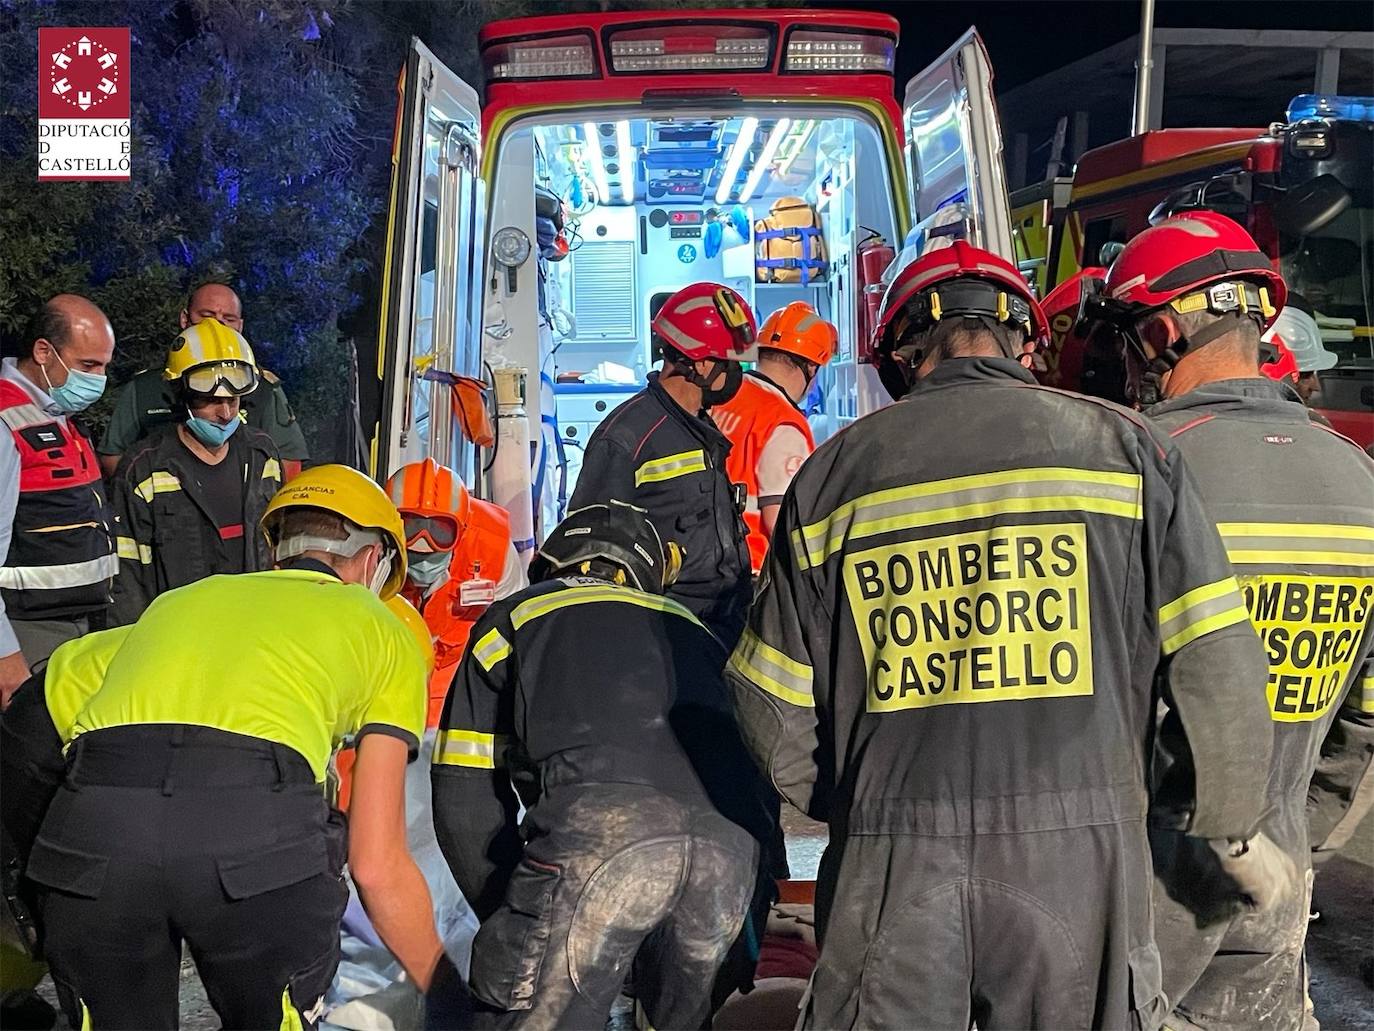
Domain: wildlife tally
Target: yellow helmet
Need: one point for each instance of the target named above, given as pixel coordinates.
(415, 623)
(210, 358)
(348, 493)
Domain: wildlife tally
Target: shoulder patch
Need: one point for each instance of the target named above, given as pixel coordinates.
(269, 376)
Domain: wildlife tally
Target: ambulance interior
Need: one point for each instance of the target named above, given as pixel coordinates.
(629, 207)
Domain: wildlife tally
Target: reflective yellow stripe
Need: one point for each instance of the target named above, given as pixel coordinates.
(542, 606)
(491, 649)
(1367, 693)
(1056, 489)
(779, 674)
(290, 1019)
(271, 469)
(671, 466)
(133, 551)
(1299, 544)
(158, 483)
(1301, 558)
(470, 748)
(1202, 610)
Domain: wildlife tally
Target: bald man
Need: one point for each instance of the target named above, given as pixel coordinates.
(148, 401)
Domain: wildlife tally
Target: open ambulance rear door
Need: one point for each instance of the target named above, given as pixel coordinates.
(431, 312)
(956, 177)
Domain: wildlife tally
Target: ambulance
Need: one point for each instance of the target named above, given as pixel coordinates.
(615, 158)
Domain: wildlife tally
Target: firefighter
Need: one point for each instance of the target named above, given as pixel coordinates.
(952, 661)
(192, 807)
(1301, 538)
(55, 524)
(149, 400)
(1082, 355)
(643, 808)
(661, 451)
(768, 432)
(459, 559)
(188, 499)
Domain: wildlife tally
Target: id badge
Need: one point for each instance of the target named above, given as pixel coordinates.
(476, 593)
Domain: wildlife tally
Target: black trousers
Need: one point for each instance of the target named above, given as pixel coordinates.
(164, 835)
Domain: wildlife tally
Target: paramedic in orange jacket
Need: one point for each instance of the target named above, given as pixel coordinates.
(769, 435)
(463, 560)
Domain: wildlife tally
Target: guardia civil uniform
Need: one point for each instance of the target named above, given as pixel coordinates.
(1294, 502)
(953, 662)
(193, 805)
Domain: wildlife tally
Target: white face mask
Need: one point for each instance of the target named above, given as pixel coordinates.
(380, 574)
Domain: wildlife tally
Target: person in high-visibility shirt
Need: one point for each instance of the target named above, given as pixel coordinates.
(769, 434)
(193, 807)
(459, 559)
(979, 597)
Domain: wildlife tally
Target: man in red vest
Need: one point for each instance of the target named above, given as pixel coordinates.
(769, 435)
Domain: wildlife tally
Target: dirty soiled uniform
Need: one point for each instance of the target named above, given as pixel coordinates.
(651, 453)
(193, 807)
(605, 709)
(953, 663)
(1292, 500)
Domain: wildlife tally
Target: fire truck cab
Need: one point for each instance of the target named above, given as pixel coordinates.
(618, 157)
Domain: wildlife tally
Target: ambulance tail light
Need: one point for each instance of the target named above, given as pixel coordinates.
(548, 57)
(694, 47)
(821, 51)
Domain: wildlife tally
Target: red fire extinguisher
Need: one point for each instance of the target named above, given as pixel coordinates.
(874, 257)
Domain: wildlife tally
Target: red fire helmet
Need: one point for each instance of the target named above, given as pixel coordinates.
(1283, 366)
(1068, 330)
(707, 320)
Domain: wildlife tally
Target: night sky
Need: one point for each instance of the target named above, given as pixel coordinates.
(1028, 38)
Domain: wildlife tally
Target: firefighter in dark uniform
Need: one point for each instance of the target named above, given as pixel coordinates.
(148, 400)
(1292, 500)
(661, 451)
(599, 703)
(188, 498)
(953, 663)
(193, 806)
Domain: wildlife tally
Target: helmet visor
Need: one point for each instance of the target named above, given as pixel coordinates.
(233, 378)
(440, 533)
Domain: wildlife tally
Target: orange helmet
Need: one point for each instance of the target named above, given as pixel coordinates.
(797, 330)
(433, 503)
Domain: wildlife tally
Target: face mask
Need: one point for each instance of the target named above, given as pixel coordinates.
(734, 379)
(380, 575)
(210, 433)
(425, 570)
(81, 390)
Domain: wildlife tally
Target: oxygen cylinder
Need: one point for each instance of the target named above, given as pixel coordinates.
(510, 473)
(874, 257)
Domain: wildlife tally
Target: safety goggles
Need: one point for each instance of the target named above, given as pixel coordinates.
(439, 532)
(233, 378)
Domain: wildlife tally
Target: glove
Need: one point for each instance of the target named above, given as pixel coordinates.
(1219, 879)
(448, 1004)
(1259, 870)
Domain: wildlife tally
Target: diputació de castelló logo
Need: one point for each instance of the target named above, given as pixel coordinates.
(83, 104)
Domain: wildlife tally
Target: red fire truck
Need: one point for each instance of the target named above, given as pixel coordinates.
(617, 157)
(1304, 188)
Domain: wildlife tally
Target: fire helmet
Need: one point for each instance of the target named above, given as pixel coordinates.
(707, 320)
(212, 359)
(618, 534)
(958, 280)
(1276, 359)
(1068, 328)
(1303, 337)
(797, 330)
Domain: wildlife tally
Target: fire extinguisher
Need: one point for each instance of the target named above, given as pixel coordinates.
(874, 257)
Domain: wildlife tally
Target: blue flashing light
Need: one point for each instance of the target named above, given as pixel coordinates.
(1319, 105)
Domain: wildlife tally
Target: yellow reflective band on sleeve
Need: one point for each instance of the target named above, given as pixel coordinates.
(670, 466)
(158, 483)
(1367, 693)
(1299, 544)
(470, 748)
(1014, 491)
(271, 469)
(491, 649)
(779, 674)
(1202, 610)
(544, 604)
(130, 549)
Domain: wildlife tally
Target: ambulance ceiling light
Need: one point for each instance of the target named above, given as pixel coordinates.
(743, 141)
(800, 138)
(819, 51)
(629, 161)
(770, 148)
(549, 58)
(596, 168)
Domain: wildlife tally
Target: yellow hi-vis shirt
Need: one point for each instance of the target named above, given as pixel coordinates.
(288, 655)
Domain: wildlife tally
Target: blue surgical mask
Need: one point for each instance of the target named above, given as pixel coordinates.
(425, 570)
(81, 390)
(210, 433)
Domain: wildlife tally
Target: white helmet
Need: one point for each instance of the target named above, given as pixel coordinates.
(1300, 332)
